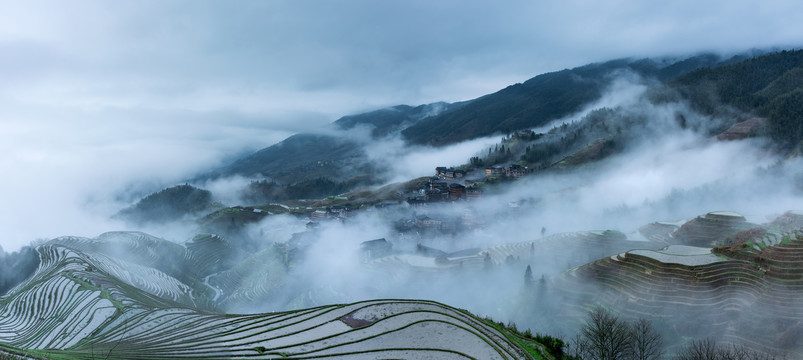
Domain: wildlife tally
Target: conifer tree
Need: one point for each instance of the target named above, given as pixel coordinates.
(528, 276)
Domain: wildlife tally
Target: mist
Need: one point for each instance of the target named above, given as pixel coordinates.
(134, 97)
(408, 162)
(71, 174)
(669, 171)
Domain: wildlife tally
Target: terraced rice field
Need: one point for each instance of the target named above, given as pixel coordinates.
(751, 299)
(87, 305)
(557, 251)
(680, 254)
(710, 230)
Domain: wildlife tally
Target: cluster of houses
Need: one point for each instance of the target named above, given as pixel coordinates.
(443, 223)
(449, 173)
(332, 213)
(514, 171)
(437, 190)
(446, 186)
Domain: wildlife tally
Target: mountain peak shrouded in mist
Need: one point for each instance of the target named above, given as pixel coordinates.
(336, 152)
(366, 149)
(340, 152)
(384, 121)
(656, 189)
(544, 98)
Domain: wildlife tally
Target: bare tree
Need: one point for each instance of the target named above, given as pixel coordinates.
(646, 343)
(707, 349)
(579, 347)
(608, 337)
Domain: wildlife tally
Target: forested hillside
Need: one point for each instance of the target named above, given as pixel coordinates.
(303, 158)
(769, 86)
(542, 99)
(167, 205)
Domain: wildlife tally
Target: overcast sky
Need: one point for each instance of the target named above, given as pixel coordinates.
(99, 96)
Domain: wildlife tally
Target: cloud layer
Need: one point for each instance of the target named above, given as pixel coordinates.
(97, 96)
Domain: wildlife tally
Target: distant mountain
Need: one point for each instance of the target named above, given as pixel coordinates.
(335, 160)
(542, 99)
(385, 121)
(331, 153)
(339, 156)
(131, 295)
(769, 86)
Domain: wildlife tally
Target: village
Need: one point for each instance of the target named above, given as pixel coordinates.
(419, 219)
(449, 185)
(446, 184)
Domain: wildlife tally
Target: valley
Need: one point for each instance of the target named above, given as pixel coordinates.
(678, 204)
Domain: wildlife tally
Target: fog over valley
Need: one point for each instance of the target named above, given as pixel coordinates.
(401, 180)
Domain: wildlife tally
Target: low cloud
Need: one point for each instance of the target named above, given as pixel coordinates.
(667, 173)
(141, 95)
(69, 171)
(405, 162)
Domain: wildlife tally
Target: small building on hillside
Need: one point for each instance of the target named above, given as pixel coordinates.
(414, 201)
(449, 173)
(494, 171)
(515, 171)
(319, 214)
(469, 183)
(426, 222)
(440, 170)
(438, 185)
(456, 191)
(374, 249)
(473, 193)
(340, 211)
(435, 195)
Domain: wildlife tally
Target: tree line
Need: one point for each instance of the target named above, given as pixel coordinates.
(605, 336)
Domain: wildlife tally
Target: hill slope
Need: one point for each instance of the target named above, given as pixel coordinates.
(332, 153)
(540, 100)
(743, 292)
(535, 102)
(83, 304)
(770, 86)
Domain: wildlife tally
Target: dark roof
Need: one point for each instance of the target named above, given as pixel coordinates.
(375, 243)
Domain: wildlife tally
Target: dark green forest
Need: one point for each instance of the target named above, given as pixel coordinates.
(542, 99)
(168, 204)
(16, 267)
(264, 191)
(769, 86)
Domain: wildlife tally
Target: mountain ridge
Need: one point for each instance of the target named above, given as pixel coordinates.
(416, 122)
